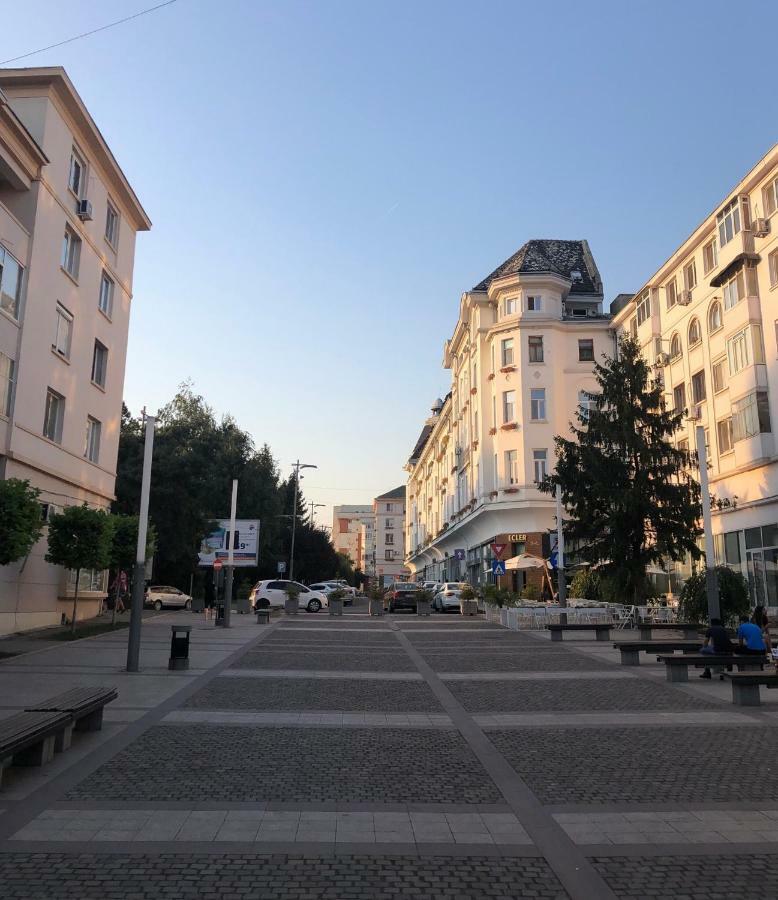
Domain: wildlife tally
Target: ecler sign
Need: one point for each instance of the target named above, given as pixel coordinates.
(245, 545)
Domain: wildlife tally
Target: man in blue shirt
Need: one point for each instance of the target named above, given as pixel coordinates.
(750, 636)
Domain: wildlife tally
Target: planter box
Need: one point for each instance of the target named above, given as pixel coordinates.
(336, 607)
(291, 607)
(376, 607)
(423, 607)
(468, 607)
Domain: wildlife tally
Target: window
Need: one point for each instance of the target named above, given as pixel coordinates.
(714, 317)
(506, 352)
(772, 261)
(92, 449)
(644, 307)
(679, 397)
(111, 225)
(105, 301)
(509, 306)
(724, 432)
(71, 252)
(512, 466)
(698, 387)
(675, 347)
(750, 416)
(728, 221)
(536, 349)
(734, 290)
(508, 406)
(10, 283)
(770, 197)
(63, 333)
(738, 351)
(586, 403)
(492, 354)
(537, 404)
(494, 412)
(53, 416)
(388, 507)
(389, 538)
(671, 293)
(389, 555)
(534, 303)
(633, 327)
(7, 369)
(77, 175)
(717, 371)
(695, 332)
(710, 256)
(99, 364)
(586, 350)
(388, 523)
(690, 276)
(683, 445)
(539, 460)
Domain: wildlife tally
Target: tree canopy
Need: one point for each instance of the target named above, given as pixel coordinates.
(627, 490)
(21, 521)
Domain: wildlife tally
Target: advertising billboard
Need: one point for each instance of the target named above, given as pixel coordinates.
(245, 544)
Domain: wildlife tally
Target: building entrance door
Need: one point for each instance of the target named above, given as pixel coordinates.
(763, 576)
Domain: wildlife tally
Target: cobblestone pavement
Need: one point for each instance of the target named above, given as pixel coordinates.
(312, 694)
(674, 764)
(349, 765)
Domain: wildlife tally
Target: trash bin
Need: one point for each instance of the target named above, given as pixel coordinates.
(244, 606)
(263, 617)
(219, 615)
(179, 647)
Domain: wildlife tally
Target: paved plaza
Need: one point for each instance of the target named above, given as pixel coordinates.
(354, 757)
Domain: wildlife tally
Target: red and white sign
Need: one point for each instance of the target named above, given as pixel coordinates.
(217, 564)
(498, 549)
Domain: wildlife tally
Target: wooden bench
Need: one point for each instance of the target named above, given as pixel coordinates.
(677, 665)
(601, 629)
(31, 738)
(745, 686)
(630, 650)
(85, 706)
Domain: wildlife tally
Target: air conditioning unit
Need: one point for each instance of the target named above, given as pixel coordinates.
(84, 210)
(684, 298)
(662, 359)
(761, 227)
(694, 414)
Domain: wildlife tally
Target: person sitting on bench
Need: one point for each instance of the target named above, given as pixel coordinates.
(750, 637)
(716, 641)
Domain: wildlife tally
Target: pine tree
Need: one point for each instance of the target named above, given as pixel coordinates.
(628, 493)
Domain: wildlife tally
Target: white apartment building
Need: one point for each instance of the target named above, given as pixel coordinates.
(389, 517)
(68, 220)
(521, 357)
(367, 548)
(347, 521)
(708, 320)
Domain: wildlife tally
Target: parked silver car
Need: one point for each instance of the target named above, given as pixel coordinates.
(161, 595)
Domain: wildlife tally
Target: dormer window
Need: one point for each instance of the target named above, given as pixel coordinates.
(575, 275)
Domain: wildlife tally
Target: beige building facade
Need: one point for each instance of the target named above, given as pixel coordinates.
(347, 536)
(68, 222)
(521, 359)
(389, 535)
(707, 320)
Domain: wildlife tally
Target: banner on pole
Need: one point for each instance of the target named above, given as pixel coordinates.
(245, 544)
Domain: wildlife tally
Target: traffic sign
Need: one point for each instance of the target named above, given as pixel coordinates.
(498, 567)
(217, 564)
(498, 549)
(459, 554)
(281, 568)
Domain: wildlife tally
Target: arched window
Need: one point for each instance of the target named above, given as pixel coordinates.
(714, 316)
(695, 332)
(675, 347)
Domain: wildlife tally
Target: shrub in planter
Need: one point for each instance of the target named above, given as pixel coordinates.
(733, 596)
(335, 602)
(496, 596)
(376, 596)
(586, 585)
(423, 602)
(531, 592)
(292, 606)
(468, 601)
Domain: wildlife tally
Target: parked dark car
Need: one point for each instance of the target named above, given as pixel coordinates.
(403, 596)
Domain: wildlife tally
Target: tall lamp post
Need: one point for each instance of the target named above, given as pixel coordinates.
(314, 507)
(296, 466)
(711, 582)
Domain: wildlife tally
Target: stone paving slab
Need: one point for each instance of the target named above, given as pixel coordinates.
(42, 876)
(747, 876)
(262, 825)
(343, 695)
(491, 721)
(575, 695)
(518, 661)
(315, 673)
(373, 660)
(310, 719)
(684, 764)
(210, 762)
(616, 674)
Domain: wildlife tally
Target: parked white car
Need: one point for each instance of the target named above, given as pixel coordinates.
(447, 597)
(161, 595)
(274, 592)
(351, 592)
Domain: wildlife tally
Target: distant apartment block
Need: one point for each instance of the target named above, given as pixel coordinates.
(347, 537)
(68, 221)
(389, 516)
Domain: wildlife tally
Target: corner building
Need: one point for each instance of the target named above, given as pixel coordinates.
(707, 320)
(521, 359)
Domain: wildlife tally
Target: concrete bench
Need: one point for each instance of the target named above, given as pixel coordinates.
(677, 665)
(690, 630)
(601, 629)
(85, 707)
(31, 738)
(745, 686)
(630, 650)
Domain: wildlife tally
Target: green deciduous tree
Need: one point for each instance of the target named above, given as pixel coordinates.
(733, 596)
(21, 521)
(80, 538)
(586, 585)
(627, 490)
(124, 545)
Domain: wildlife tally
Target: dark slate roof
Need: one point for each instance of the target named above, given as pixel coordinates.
(422, 442)
(542, 256)
(397, 494)
(619, 302)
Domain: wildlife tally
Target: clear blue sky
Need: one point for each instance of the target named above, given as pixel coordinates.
(325, 179)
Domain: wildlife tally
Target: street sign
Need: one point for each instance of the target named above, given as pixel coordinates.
(245, 543)
(498, 549)
(217, 564)
(459, 554)
(281, 568)
(498, 567)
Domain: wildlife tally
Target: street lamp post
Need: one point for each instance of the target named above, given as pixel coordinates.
(711, 582)
(296, 466)
(314, 506)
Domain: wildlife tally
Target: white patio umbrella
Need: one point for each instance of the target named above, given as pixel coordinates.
(525, 561)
